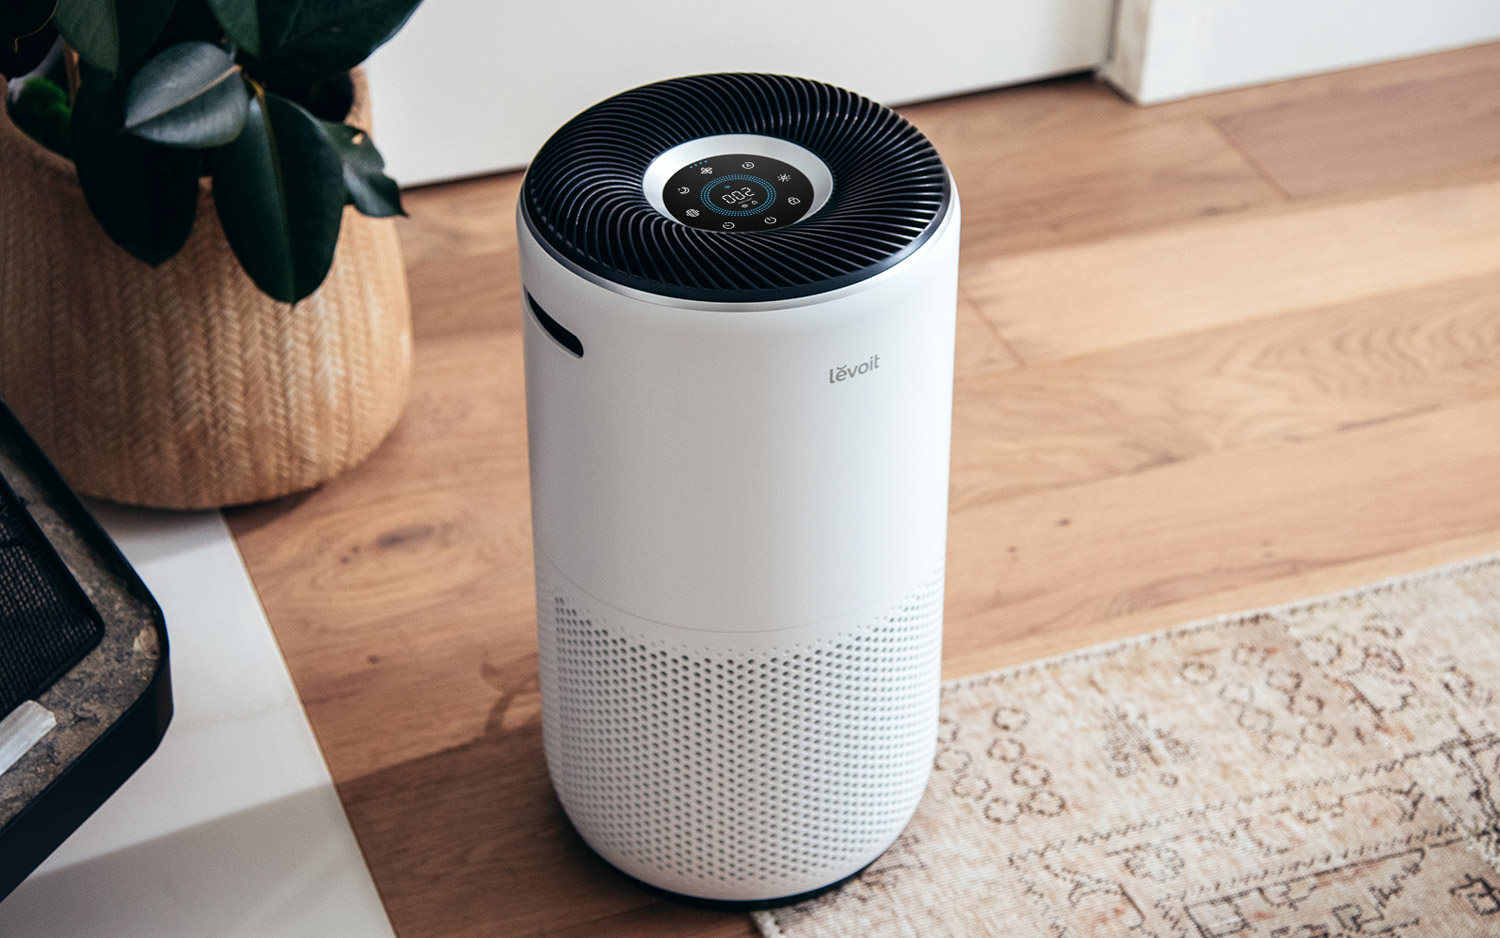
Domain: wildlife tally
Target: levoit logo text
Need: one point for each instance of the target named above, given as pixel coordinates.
(845, 372)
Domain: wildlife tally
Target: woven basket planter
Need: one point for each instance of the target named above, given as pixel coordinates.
(183, 386)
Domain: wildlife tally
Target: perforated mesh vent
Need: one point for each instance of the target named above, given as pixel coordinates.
(740, 776)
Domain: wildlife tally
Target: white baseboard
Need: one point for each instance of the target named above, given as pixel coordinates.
(1166, 49)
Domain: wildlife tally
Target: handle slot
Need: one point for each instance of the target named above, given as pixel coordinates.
(554, 328)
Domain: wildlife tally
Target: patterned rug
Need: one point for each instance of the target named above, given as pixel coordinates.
(1328, 769)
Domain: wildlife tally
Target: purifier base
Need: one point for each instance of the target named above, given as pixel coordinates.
(735, 905)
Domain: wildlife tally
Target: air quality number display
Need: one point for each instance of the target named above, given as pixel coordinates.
(738, 192)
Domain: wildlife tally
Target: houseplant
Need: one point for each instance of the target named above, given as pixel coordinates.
(201, 298)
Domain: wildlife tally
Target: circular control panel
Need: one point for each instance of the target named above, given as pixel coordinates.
(738, 192)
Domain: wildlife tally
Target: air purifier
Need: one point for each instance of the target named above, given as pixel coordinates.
(739, 301)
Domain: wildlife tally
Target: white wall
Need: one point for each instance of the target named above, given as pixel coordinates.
(474, 86)
(1165, 49)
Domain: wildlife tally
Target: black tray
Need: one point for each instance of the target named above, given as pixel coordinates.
(88, 643)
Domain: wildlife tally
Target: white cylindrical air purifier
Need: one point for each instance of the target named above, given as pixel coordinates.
(739, 297)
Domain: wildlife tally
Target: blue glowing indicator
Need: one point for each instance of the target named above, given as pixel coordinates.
(738, 195)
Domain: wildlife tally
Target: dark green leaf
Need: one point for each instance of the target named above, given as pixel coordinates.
(111, 34)
(190, 95)
(241, 21)
(22, 18)
(27, 53)
(279, 189)
(190, 19)
(310, 40)
(368, 188)
(145, 196)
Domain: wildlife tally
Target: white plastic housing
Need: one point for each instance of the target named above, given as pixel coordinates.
(740, 513)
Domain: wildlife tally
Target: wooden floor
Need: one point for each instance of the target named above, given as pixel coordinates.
(1212, 354)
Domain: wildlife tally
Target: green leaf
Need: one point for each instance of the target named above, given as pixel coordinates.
(310, 40)
(241, 22)
(190, 95)
(367, 186)
(145, 196)
(279, 189)
(22, 18)
(112, 34)
(42, 110)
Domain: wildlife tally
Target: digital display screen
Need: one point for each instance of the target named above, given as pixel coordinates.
(738, 192)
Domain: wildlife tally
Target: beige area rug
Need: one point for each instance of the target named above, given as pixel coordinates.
(1328, 769)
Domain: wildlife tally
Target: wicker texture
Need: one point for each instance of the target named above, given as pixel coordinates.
(184, 386)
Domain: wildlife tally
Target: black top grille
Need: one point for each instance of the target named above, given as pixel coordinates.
(583, 191)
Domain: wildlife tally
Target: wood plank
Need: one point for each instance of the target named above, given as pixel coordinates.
(1259, 594)
(978, 347)
(465, 295)
(1061, 559)
(460, 219)
(663, 918)
(1416, 131)
(1014, 120)
(1094, 182)
(1081, 298)
(1295, 376)
(410, 579)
